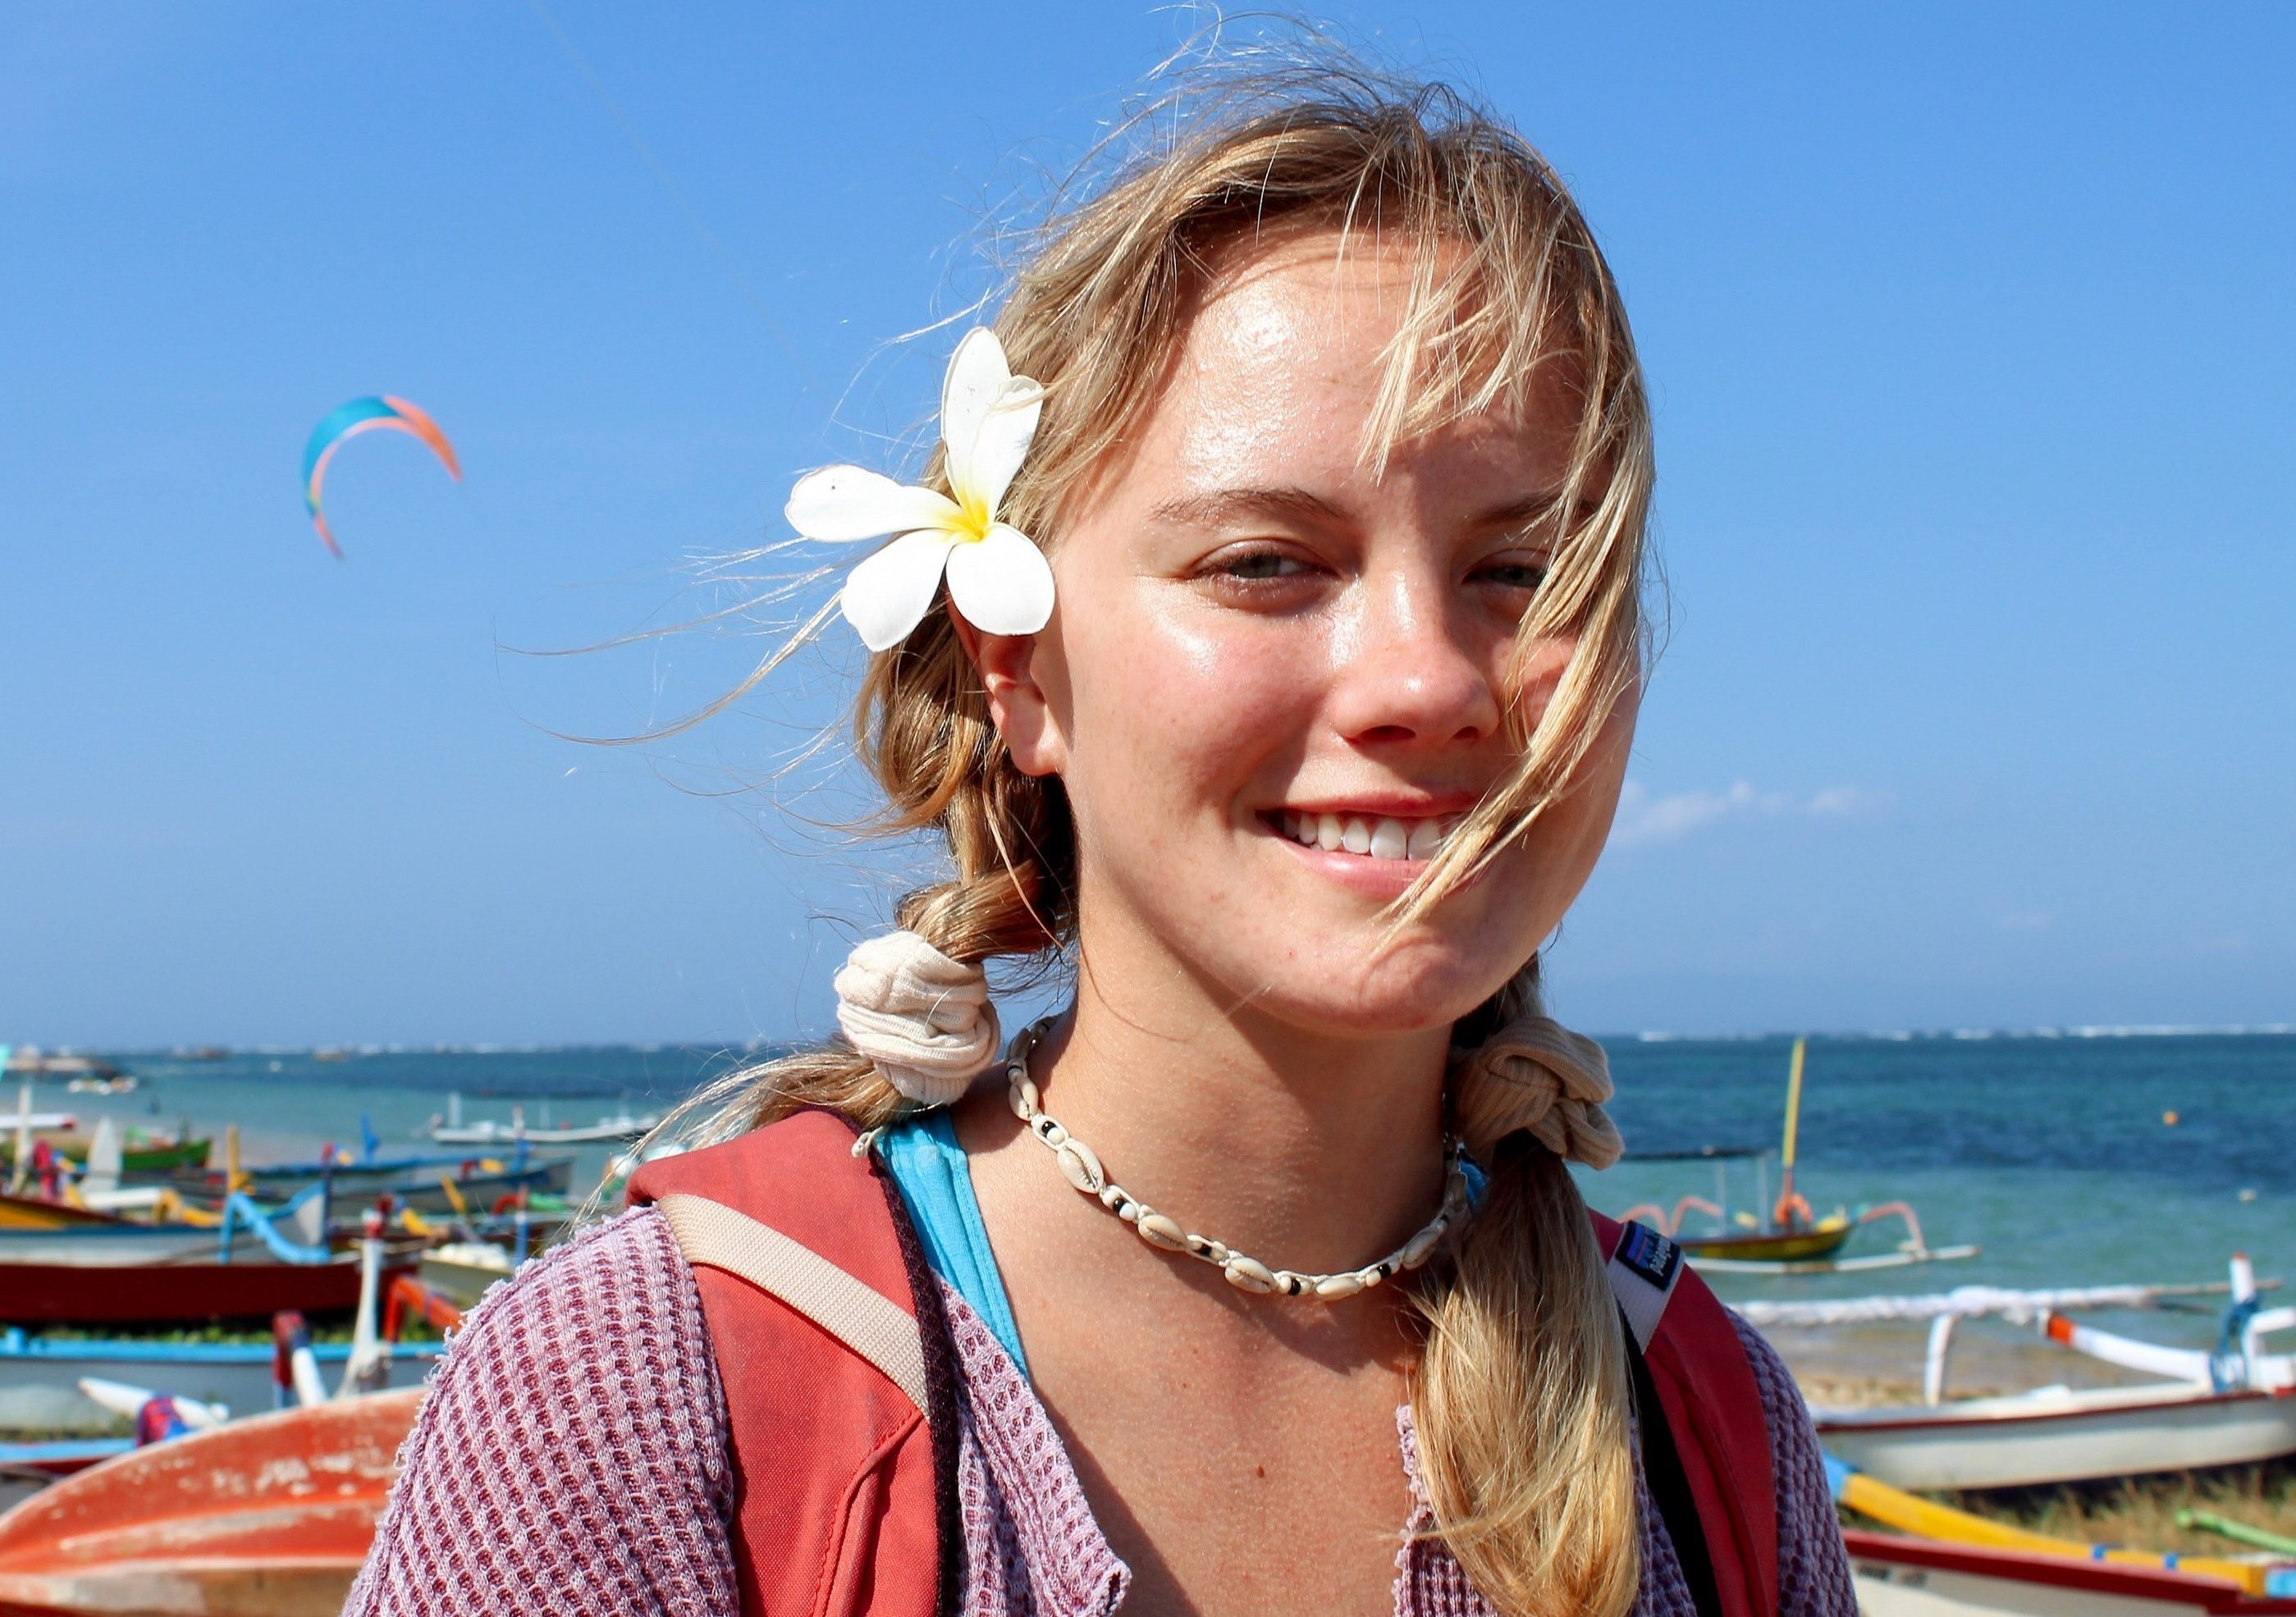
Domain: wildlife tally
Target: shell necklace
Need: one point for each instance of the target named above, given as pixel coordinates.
(1081, 1168)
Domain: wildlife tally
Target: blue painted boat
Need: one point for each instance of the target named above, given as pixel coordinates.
(238, 1375)
(60, 1458)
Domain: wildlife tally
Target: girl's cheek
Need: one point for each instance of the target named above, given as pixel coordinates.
(1542, 675)
(1226, 654)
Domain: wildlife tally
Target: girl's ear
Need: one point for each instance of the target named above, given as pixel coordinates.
(1016, 701)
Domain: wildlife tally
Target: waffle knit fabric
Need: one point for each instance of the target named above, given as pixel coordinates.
(572, 1458)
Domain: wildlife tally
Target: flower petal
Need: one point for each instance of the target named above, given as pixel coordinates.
(846, 502)
(977, 375)
(1003, 443)
(1003, 584)
(887, 595)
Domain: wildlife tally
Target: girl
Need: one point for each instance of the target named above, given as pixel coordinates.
(1292, 518)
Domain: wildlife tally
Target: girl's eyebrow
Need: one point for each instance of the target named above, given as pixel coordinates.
(1227, 504)
(1530, 510)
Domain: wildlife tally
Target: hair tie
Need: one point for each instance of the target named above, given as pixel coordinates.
(1537, 1075)
(924, 1020)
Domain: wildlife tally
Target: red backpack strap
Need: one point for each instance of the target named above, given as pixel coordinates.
(839, 1389)
(1713, 1408)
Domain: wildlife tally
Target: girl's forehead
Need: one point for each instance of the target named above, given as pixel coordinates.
(1301, 290)
(1282, 364)
(1308, 319)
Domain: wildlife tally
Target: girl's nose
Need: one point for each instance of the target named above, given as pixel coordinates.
(1403, 678)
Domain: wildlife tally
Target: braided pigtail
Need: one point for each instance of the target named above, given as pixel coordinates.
(1520, 1400)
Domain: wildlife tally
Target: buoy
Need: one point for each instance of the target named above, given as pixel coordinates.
(2169, 1119)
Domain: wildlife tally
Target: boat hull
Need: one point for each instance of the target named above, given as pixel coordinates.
(481, 1191)
(41, 1379)
(1788, 1247)
(165, 1294)
(172, 1157)
(30, 1212)
(267, 1517)
(501, 1135)
(1908, 1578)
(461, 1283)
(2015, 1442)
(120, 1244)
(418, 1187)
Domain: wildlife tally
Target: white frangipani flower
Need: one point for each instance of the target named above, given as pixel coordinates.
(996, 575)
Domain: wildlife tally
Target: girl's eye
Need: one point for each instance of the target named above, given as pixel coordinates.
(1513, 574)
(1254, 566)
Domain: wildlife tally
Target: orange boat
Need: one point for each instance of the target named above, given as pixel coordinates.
(265, 1517)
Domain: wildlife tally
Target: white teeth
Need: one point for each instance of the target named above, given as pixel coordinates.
(1377, 837)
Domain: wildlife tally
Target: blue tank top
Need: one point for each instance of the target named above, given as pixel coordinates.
(936, 1182)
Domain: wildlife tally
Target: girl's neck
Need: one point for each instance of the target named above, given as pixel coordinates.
(1312, 1151)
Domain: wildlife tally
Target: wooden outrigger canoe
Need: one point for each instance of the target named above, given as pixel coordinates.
(1911, 1578)
(265, 1517)
(2057, 1435)
(32, 1212)
(242, 1376)
(1956, 1565)
(165, 1292)
(1790, 1237)
(1819, 1242)
(141, 1152)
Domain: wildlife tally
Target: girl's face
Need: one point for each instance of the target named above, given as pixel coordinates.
(1273, 678)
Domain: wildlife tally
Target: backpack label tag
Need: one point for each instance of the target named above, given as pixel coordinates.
(1650, 1255)
(1643, 1270)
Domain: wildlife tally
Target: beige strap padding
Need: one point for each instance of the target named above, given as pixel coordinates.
(851, 1310)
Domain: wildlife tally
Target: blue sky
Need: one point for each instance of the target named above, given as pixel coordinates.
(1969, 330)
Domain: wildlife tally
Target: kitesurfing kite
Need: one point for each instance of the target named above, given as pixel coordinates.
(348, 420)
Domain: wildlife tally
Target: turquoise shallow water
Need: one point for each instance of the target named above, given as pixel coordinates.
(2050, 1153)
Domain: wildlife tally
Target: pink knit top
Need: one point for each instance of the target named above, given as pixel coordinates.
(572, 1458)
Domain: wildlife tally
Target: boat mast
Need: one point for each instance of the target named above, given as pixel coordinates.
(1784, 1215)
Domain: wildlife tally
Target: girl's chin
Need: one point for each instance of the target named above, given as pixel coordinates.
(1367, 1017)
(1339, 983)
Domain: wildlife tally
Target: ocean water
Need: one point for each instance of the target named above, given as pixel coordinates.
(2050, 1153)
(2053, 1154)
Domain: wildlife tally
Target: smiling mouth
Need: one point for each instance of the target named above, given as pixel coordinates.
(1377, 837)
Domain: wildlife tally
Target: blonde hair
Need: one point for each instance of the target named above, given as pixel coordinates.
(1521, 1396)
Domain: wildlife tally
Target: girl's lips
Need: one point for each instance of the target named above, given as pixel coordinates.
(1378, 856)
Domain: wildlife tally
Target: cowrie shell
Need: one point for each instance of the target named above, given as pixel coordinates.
(1080, 1166)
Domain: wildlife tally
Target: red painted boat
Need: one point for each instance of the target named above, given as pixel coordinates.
(266, 1517)
(158, 1293)
(1915, 1578)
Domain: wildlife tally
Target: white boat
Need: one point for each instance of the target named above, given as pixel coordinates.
(2233, 1408)
(1911, 1578)
(452, 1130)
(2056, 1434)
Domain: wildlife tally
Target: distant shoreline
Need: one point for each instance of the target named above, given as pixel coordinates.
(764, 1048)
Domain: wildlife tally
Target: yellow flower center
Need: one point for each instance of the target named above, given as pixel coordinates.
(973, 519)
